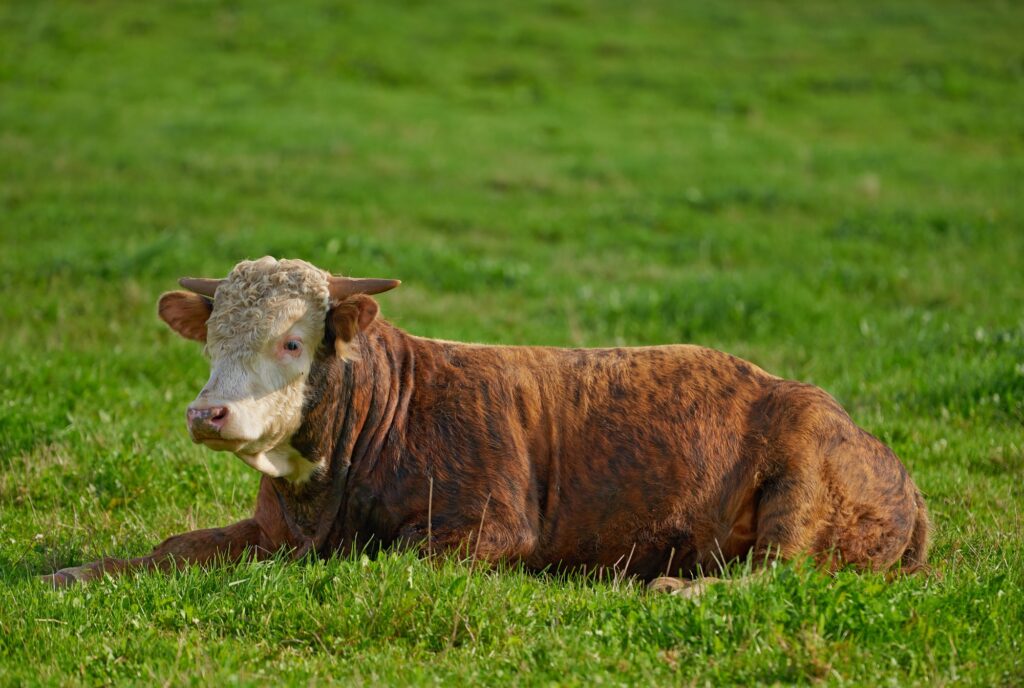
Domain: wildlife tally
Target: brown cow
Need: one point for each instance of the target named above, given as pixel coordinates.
(652, 459)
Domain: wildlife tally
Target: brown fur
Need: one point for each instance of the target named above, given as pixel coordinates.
(670, 458)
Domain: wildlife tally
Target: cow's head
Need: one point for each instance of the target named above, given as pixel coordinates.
(262, 326)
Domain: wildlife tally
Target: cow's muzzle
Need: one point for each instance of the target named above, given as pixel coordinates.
(206, 422)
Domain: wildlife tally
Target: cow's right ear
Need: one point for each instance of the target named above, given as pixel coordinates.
(186, 313)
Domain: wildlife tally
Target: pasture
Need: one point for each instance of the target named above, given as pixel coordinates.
(833, 191)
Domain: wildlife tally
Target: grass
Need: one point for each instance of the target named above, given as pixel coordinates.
(830, 190)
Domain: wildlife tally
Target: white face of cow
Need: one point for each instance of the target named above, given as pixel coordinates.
(266, 324)
(252, 402)
(262, 331)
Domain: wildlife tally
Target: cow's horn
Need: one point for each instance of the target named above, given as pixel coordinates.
(341, 287)
(201, 285)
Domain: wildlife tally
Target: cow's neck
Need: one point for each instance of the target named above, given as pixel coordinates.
(354, 411)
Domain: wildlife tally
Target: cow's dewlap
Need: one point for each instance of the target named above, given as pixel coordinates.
(282, 462)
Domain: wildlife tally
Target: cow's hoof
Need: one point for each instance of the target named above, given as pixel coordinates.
(63, 578)
(679, 587)
(693, 591)
(667, 584)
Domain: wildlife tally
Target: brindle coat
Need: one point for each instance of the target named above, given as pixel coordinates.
(659, 459)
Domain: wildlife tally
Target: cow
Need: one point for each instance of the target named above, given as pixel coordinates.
(660, 462)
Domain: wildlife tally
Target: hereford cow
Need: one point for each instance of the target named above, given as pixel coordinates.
(654, 460)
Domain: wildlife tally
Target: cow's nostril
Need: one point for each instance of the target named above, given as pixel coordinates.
(217, 416)
(205, 422)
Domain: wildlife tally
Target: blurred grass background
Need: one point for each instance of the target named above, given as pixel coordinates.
(832, 190)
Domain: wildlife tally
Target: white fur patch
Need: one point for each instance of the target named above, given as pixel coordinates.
(259, 299)
(259, 303)
(282, 462)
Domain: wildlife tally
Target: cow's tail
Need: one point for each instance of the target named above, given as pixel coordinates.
(915, 556)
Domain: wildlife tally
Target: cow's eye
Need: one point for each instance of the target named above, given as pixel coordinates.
(292, 345)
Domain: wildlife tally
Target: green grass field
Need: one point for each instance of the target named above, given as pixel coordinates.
(832, 191)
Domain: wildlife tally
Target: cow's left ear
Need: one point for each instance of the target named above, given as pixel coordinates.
(352, 315)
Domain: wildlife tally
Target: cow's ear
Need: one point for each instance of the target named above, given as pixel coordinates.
(186, 313)
(352, 315)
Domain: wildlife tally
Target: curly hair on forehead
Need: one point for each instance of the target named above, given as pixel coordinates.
(260, 296)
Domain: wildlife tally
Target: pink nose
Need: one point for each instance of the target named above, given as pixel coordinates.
(206, 422)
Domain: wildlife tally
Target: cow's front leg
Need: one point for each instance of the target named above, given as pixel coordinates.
(244, 538)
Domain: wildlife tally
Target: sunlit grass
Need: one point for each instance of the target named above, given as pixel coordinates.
(831, 191)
